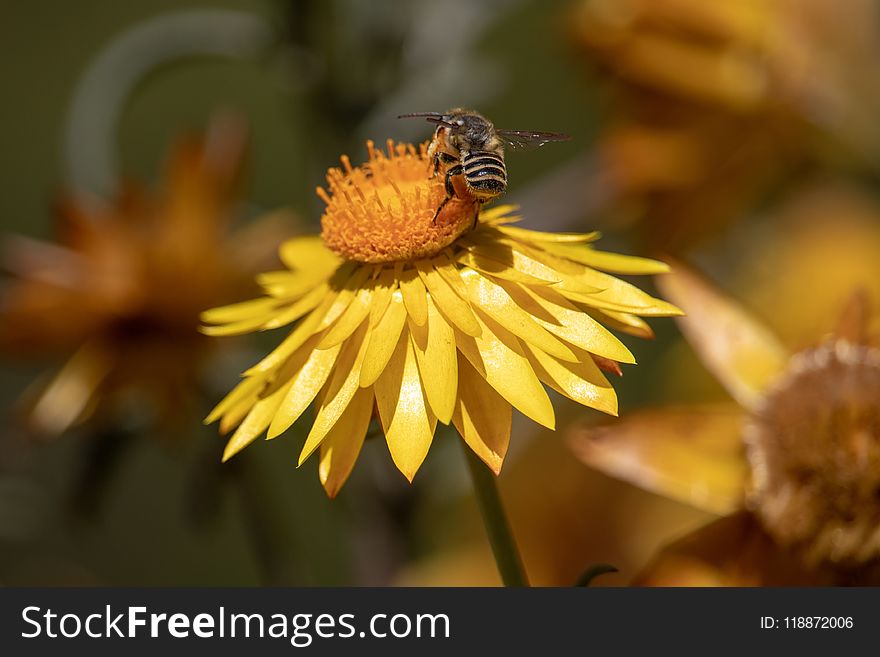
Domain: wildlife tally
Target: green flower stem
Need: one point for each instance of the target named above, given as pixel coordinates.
(501, 539)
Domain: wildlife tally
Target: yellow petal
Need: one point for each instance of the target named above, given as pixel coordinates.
(288, 369)
(407, 420)
(248, 388)
(310, 377)
(383, 287)
(694, 455)
(454, 307)
(499, 214)
(591, 286)
(383, 340)
(568, 268)
(298, 308)
(343, 443)
(414, 296)
(237, 312)
(482, 417)
(278, 317)
(348, 289)
(616, 294)
(742, 352)
(519, 261)
(343, 384)
(498, 269)
(624, 322)
(449, 273)
(581, 381)
(603, 301)
(236, 413)
(436, 355)
(353, 316)
(288, 285)
(255, 423)
(308, 253)
(494, 300)
(295, 339)
(498, 356)
(540, 236)
(237, 328)
(564, 320)
(612, 262)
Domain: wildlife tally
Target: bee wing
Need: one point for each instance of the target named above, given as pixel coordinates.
(529, 139)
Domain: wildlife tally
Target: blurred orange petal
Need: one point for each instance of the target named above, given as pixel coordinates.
(122, 287)
(694, 455)
(854, 320)
(72, 391)
(732, 551)
(739, 350)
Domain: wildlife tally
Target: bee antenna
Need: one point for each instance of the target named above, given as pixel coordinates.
(435, 115)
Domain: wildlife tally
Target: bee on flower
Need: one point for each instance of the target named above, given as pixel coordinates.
(418, 317)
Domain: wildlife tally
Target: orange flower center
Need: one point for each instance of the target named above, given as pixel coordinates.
(386, 209)
(814, 449)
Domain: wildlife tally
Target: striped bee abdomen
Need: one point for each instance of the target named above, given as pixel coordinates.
(485, 173)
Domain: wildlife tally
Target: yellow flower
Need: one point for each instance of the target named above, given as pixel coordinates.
(794, 466)
(422, 320)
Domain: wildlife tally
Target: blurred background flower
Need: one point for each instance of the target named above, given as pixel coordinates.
(711, 105)
(118, 296)
(799, 451)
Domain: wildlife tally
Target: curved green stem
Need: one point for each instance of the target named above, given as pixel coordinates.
(501, 539)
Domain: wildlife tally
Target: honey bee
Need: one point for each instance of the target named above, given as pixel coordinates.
(468, 145)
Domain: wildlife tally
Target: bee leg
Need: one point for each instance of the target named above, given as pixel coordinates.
(457, 170)
(450, 189)
(441, 206)
(477, 214)
(445, 158)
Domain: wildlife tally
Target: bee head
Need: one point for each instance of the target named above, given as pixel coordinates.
(468, 128)
(463, 129)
